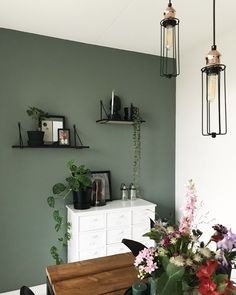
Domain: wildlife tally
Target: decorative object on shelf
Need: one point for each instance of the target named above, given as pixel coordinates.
(136, 150)
(36, 137)
(76, 145)
(214, 113)
(64, 136)
(114, 117)
(169, 63)
(132, 192)
(124, 192)
(181, 263)
(50, 125)
(101, 187)
(115, 107)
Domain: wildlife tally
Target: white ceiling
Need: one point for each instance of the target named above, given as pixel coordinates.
(124, 24)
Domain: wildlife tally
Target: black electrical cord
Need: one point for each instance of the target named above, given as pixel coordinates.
(214, 23)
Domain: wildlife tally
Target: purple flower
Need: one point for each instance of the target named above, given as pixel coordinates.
(229, 241)
(165, 242)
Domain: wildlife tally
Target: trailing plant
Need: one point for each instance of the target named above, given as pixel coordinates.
(78, 180)
(137, 150)
(36, 114)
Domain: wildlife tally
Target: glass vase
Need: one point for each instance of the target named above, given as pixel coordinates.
(152, 283)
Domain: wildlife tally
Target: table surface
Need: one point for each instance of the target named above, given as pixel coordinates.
(110, 275)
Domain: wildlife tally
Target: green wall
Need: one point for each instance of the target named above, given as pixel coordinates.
(69, 78)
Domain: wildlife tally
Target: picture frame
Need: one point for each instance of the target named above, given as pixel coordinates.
(105, 176)
(64, 137)
(50, 126)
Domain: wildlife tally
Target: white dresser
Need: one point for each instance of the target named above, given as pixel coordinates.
(98, 231)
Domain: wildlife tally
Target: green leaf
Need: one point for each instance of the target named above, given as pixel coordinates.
(58, 188)
(67, 236)
(165, 262)
(57, 216)
(153, 235)
(68, 225)
(169, 280)
(58, 226)
(71, 166)
(176, 271)
(51, 201)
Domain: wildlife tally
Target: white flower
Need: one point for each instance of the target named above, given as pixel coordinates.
(197, 258)
(178, 260)
(170, 229)
(173, 241)
(194, 238)
(189, 262)
(162, 251)
(177, 235)
(205, 252)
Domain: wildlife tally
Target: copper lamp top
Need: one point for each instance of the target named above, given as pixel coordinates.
(213, 57)
(169, 12)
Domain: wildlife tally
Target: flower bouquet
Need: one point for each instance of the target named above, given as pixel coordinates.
(182, 264)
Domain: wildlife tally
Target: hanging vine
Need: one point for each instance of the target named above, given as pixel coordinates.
(137, 150)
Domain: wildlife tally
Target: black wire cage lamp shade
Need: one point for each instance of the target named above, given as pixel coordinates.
(214, 112)
(169, 51)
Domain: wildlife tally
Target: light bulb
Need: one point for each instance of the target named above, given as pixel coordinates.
(212, 87)
(169, 37)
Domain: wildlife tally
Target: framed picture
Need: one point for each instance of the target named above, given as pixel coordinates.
(64, 136)
(50, 126)
(105, 178)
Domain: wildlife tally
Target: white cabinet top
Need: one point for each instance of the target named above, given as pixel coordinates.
(113, 205)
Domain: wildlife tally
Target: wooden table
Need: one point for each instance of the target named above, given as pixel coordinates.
(110, 275)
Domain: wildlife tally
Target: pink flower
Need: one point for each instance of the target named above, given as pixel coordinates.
(145, 261)
(189, 209)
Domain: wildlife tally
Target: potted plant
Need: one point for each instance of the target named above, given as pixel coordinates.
(79, 182)
(36, 136)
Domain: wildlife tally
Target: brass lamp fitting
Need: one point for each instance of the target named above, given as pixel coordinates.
(169, 12)
(213, 57)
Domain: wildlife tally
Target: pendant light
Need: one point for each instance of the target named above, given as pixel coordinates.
(214, 115)
(169, 43)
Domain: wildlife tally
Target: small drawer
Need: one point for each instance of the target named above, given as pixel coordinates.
(139, 231)
(143, 216)
(92, 239)
(116, 235)
(118, 219)
(117, 249)
(92, 253)
(97, 221)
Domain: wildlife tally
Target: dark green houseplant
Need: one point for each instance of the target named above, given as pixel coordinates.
(79, 183)
(36, 136)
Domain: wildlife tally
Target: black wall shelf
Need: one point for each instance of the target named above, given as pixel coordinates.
(125, 122)
(77, 144)
(110, 120)
(50, 146)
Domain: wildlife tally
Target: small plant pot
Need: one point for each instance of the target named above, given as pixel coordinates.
(82, 199)
(35, 138)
